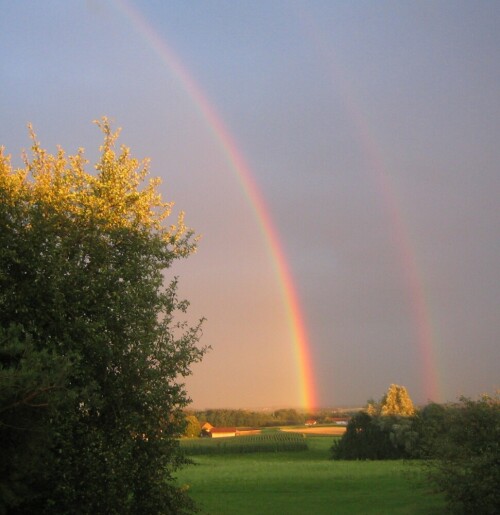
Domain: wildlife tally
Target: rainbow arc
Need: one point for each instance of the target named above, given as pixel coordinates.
(300, 343)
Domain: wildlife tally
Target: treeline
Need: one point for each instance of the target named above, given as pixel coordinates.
(248, 418)
(459, 445)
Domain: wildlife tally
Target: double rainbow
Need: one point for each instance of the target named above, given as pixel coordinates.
(376, 168)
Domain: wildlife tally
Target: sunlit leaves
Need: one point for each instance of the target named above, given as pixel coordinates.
(120, 194)
(396, 401)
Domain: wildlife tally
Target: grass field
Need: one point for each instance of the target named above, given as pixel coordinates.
(307, 482)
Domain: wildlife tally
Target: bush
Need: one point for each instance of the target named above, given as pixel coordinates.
(429, 423)
(373, 438)
(466, 464)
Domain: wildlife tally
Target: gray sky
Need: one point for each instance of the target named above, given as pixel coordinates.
(371, 130)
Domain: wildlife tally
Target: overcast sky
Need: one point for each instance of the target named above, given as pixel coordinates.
(372, 132)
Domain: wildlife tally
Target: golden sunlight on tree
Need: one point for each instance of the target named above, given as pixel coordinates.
(397, 402)
(118, 196)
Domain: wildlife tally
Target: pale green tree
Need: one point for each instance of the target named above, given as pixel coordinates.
(193, 427)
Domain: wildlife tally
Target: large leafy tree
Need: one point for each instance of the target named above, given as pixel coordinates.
(91, 353)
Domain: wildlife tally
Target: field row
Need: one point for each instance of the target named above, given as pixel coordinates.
(268, 442)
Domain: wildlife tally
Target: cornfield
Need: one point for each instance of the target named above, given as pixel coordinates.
(271, 442)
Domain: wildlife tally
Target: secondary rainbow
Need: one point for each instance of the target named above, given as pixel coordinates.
(376, 167)
(301, 345)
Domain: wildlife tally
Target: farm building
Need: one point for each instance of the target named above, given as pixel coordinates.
(206, 427)
(340, 421)
(311, 422)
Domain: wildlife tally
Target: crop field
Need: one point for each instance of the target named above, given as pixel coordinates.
(268, 442)
(306, 482)
(317, 430)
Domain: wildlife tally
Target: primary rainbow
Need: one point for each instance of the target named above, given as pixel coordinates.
(301, 345)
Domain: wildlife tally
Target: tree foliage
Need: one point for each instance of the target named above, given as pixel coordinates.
(465, 454)
(396, 401)
(430, 423)
(193, 427)
(247, 418)
(90, 349)
(383, 430)
(370, 437)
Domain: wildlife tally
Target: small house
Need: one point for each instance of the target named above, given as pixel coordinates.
(340, 421)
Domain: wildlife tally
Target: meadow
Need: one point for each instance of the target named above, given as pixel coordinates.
(306, 481)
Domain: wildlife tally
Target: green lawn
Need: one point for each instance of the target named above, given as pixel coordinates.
(307, 482)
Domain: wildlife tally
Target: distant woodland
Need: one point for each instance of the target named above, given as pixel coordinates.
(265, 418)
